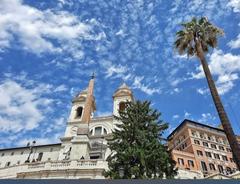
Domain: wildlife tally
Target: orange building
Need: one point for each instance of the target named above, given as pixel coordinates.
(199, 147)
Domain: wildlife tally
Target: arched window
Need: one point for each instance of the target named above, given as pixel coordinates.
(220, 168)
(79, 112)
(122, 106)
(98, 131)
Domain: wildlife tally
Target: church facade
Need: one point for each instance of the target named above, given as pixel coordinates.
(82, 151)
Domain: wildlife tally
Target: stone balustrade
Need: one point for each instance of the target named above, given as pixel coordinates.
(12, 171)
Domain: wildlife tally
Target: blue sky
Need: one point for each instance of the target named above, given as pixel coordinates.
(48, 50)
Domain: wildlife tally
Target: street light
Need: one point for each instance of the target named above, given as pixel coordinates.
(31, 151)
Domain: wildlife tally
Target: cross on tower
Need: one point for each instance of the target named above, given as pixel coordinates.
(93, 75)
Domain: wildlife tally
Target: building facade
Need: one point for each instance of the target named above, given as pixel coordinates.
(202, 149)
(82, 151)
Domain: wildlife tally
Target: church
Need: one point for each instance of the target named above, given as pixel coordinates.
(198, 149)
(82, 151)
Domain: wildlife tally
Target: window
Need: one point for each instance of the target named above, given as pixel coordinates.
(209, 138)
(204, 166)
(208, 154)
(228, 150)
(12, 153)
(2, 154)
(49, 159)
(79, 112)
(231, 160)
(221, 148)
(8, 164)
(51, 149)
(18, 162)
(213, 146)
(183, 146)
(194, 133)
(205, 144)
(22, 152)
(212, 167)
(40, 155)
(122, 106)
(95, 157)
(224, 158)
(229, 170)
(220, 168)
(98, 131)
(190, 163)
(202, 136)
(216, 156)
(180, 161)
(199, 153)
(197, 142)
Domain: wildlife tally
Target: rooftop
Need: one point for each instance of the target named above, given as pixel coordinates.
(185, 121)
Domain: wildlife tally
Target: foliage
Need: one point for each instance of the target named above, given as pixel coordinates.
(197, 31)
(137, 145)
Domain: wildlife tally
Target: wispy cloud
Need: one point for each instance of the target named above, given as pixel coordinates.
(42, 31)
(225, 66)
(138, 84)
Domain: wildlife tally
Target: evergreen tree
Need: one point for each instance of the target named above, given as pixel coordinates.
(137, 148)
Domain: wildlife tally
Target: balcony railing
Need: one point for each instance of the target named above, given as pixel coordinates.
(12, 171)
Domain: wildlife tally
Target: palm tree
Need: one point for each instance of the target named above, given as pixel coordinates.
(195, 39)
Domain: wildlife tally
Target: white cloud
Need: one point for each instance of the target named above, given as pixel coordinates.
(21, 108)
(39, 31)
(225, 66)
(235, 44)
(60, 88)
(176, 116)
(235, 4)
(40, 140)
(187, 115)
(207, 118)
(137, 83)
(202, 91)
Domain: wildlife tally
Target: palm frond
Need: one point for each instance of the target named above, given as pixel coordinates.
(197, 30)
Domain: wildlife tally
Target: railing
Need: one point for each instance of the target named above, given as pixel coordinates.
(12, 171)
(87, 163)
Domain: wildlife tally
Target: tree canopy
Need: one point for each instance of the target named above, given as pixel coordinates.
(137, 145)
(197, 31)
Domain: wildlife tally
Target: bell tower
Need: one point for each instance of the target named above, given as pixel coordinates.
(83, 106)
(120, 97)
(75, 142)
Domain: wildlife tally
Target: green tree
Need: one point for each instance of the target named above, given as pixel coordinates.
(137, 148)
(195, 39)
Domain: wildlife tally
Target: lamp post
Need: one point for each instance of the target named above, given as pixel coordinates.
(31, 151)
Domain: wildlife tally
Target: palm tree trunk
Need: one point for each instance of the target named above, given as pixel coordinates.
(220, 109)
